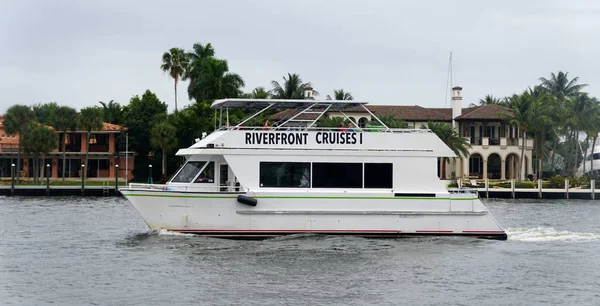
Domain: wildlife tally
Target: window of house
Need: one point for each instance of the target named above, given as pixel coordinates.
(284, 174)
(207, 175)
(188, 172)
(379, 175)
(337, 175)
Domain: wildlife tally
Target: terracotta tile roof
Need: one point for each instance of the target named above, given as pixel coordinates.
(412, 112)
(111, 127)
(289, 113)
(484, 112)
(408, 113)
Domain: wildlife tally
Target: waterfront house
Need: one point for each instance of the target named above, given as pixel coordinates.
(103, 154)
(496, 146)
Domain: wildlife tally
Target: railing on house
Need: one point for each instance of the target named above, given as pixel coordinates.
(98, 148)
(9, 147)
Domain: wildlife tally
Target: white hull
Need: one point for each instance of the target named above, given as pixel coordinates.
(373, 215)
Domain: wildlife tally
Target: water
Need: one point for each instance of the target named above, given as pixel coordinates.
(98, 251)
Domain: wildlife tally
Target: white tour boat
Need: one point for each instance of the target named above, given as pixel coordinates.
(294, 177)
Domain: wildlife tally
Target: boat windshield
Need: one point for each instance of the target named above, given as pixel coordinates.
(188, 172)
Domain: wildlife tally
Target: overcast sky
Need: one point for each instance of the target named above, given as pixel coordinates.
(386, 52)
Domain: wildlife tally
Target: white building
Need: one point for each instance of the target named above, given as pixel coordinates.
(496, 147)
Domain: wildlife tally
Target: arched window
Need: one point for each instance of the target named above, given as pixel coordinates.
(362, 122)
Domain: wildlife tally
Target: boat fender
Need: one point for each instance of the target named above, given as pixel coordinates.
(247, 200)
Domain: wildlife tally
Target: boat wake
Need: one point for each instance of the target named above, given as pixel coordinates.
(165, 232)
(546, 234)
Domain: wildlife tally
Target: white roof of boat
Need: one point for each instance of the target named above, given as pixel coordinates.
(282, 103)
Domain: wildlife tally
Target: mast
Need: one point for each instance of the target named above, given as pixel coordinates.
(448, 80)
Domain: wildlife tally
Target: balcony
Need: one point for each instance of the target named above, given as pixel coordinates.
(475, 141)
(9, 148)
(98, 148)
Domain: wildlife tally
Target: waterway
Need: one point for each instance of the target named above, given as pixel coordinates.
(98, 251)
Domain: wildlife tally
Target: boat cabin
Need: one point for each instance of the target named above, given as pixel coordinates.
(296, 154)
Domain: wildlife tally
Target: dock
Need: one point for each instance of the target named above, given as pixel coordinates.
(37, 190)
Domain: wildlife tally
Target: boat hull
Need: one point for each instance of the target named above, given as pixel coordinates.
(375, 215)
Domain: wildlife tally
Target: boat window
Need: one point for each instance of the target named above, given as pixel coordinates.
(207, 175)
(284, 174)
(188, 172)
(378, 175)
(337, 175)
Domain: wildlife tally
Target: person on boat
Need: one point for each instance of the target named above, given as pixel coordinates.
(266, 124)
(341, 127)
(350, 127)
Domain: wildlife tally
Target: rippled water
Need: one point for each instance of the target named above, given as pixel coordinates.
(98, 251)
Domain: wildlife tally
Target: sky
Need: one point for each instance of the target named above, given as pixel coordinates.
(78, 53)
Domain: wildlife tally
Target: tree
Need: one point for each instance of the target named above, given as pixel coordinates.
(210, 79)
(112, 112)
(488, 100)
(164, 138)
(293, 88)
(16, 121)
(391, 122)
(459, 145)
(175, 63)
(526, 112)
(67, 119)
(257, 93)
(91, 120)
(200, 53)
(37, 141)
(332, 122)
(340, 95)
(140, 116)
(560, 86)
(45, 113)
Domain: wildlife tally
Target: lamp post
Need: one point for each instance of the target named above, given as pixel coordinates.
(150, 174)
(82, 179)
(126, 156)
(12, 183)
(48, 179)
(116, 179)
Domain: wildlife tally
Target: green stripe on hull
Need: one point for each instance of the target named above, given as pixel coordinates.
(294, 197)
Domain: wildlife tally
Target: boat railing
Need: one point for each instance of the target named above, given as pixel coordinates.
(323, 129)
(187, 188)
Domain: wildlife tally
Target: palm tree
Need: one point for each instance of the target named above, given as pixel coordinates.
(91, 120)
(66, 120)
(340, 95)
(260, 93)
(391, 122)
(459, 145)
(212, 80)
(488, 100)
(584, 118)
(112, 112)
(293, 87)
(16, 121)
(526, 112)
(332, 122)
(164, 137)
(201, 52)
(196, 58)
(175, 63)
(560, 86)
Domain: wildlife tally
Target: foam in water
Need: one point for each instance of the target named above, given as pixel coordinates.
(544, 234)
(165, 232)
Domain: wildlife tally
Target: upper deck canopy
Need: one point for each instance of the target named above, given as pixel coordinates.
(283, 103)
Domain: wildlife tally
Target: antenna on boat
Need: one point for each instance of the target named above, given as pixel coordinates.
(448, 80)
